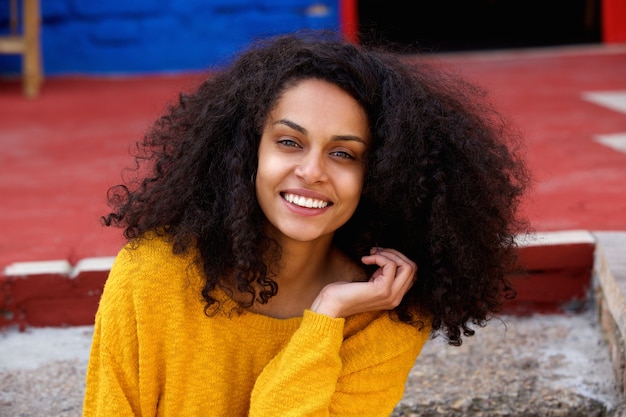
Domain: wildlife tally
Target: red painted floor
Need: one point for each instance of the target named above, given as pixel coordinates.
(60, 152)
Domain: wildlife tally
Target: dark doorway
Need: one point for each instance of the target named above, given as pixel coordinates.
(457, 25)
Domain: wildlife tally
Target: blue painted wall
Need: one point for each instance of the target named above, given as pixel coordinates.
(154, 36)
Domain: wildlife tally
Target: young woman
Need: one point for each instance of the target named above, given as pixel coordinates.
(277, 228)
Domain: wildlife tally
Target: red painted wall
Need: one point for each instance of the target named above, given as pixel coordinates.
(349, 19)
(613, 21)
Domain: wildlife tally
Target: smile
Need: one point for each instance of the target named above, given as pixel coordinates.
(298, 200)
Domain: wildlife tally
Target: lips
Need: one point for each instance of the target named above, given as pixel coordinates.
(306, 202)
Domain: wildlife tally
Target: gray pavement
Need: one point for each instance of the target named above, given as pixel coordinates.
(543, 365)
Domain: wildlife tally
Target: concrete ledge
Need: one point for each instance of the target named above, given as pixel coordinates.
(54, 293)
(553, 365)
(610, 290)
(558, 266)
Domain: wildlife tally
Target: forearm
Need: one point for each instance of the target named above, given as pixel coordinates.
(321, 374)
(302, 378)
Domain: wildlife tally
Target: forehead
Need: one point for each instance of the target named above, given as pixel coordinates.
(319, 85)
(315, 102)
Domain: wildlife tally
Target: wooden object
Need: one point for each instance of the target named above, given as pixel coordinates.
(26, 42)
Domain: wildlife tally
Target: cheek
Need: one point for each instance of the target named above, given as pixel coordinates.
(352, 187)
(267, 171)
(267, 178)
(263, 197)
(356, 180)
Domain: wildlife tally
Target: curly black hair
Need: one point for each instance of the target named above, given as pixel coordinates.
(444, 177)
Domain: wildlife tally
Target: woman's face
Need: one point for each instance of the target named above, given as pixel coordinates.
(311, 167)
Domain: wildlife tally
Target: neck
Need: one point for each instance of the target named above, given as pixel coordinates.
(305, 265)
(303, 270)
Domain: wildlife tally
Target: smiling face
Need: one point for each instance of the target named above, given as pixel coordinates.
(311, 169)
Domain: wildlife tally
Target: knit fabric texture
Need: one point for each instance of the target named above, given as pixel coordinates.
(156, 353)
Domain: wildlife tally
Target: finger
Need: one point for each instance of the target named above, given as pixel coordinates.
(379, 259)
(390, 279)
(388, 268)
(403, 264)
(394, 255)
(406, 272)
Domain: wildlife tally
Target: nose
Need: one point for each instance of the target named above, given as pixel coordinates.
(312, 168)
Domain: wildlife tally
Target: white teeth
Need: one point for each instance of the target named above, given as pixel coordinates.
(305, 202)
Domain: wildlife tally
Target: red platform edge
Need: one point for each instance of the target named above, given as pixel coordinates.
(558, 275)
(52, 293)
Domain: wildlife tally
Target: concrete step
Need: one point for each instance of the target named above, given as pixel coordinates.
(539, 365)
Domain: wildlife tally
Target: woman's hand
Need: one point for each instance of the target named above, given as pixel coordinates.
(383, 291)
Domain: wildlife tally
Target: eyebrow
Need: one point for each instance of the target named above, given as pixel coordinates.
(302, 130)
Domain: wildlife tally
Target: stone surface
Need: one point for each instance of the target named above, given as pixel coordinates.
(610, 287)
(534, 366)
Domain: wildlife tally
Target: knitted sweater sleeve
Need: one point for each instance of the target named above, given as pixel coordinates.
(320, 374)
(112, 389)
(112, 381)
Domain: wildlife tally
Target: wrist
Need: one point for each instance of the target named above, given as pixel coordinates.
(322, 305)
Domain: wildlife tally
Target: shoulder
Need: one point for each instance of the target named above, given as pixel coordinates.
(149, 264)
(151, 254)
(380, 336)
(150, 250)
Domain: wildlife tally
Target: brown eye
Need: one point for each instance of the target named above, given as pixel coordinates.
(289, 143)
(342, 154)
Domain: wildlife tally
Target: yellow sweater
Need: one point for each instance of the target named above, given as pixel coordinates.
(155, 352)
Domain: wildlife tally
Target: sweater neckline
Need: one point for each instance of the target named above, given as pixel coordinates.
(232, 310)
